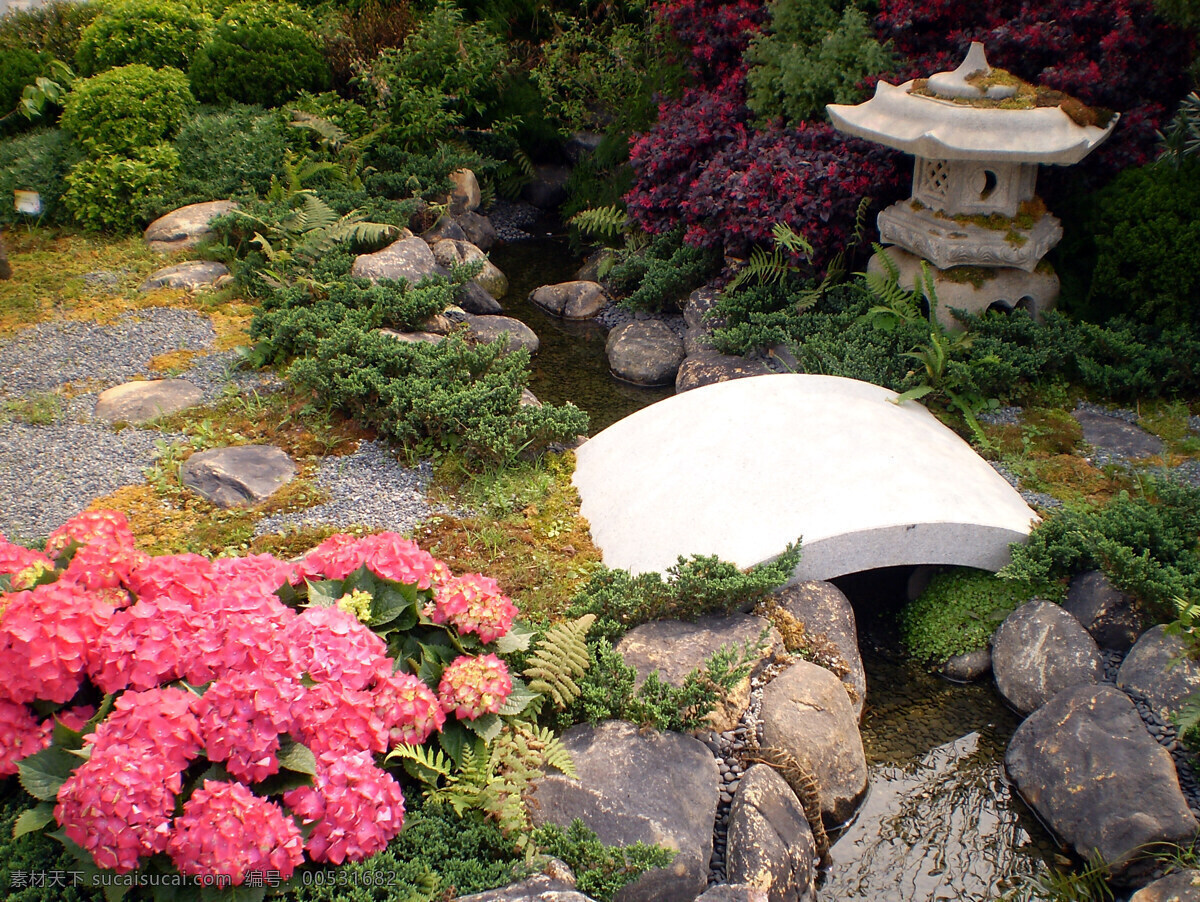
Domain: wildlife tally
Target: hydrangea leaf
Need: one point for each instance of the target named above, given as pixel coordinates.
(486, 726)
(517, 639)
(42, 774)
(296, 756)
(33, 819)
(519, 699)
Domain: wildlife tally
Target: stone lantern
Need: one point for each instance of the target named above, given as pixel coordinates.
(978, 135)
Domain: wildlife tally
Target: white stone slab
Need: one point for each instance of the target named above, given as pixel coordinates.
(741, 468)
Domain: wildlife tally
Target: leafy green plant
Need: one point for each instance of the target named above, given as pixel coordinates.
(115, 193)
(608, 223)
(771, 268)
(600, 870)
(812, 52)
(158, 33)
(558, 660)
(959, 611)
(1182, 138)
(1088, 884)
(127, 109)
(18, 68)
(261, 53)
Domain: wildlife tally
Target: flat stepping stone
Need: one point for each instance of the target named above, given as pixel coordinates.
(1117, 437)
(238, 476)
(139, 402)
(186, 227)
(190, 276)
(710, 367)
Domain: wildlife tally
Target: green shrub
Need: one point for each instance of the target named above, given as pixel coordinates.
(1145, 230)
(18, 68)
(37, 161)
(126, 109)
(600, 870)
(396, 172)
(661, 275)
(958, 613)
(54, 28)
(34, 853)
(694, 587)
(261, 53)
(158, 33)
(813, 52)
(230, 151)
(120, 193)
(1147, 545)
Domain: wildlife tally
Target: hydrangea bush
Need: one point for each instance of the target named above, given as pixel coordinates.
(228, 717)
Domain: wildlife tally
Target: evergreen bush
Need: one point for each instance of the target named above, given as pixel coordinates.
(18, 68)
(37, 161)
(54, 28)
(225, 152)
(127, 109)
(261, 53)
(117, 193)
(158, 33)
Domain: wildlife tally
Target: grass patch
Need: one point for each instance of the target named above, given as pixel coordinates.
(36, 409)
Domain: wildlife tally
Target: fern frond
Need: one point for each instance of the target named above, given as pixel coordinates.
(764, 268)
(605, 222)
(313, 213)
(560, 657)
(553, 753)
(422, 762)
(790, 240)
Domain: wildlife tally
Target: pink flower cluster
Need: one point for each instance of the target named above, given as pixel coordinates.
(133, 625)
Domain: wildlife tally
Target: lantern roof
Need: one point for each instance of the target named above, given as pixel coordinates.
(976, 113)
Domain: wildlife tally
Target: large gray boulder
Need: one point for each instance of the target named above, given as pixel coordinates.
(478, 230)
(465, 195)
(674, 648)
(644, 352)
(1038, 651)
(1085, 762)
(238, 476)
(571, 300)
(709, 367)
(1161, 669)
(770, 843)
(408, 259)
(1114, 618)
(807, 713)
(635, 785)
(829, 630)
(484, 329)
(193, 275)
(185, 227)
(534, 889)
(733, 892)
(449, 252)
(1182, 886)
(139, 402)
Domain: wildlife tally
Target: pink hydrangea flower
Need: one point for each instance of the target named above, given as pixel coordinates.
(357, 808)
(227, 831)
(76, 718)
(184, 578)
(473, 603)
(118, 805)
(259, 573)
(241, 717)
(408, 708)
(14, 558)
(335, 558)
(331, 645)
(246, 630)
(148, 643)
(20, 735)
(46, 640)
(331, 717)
(158, 720)
(391, 556)
(105, 527)
(471, 686)
(103, 566)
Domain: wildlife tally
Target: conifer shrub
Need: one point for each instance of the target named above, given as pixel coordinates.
(123, 110)
(226, 152)
(260, 53)
(158, 33)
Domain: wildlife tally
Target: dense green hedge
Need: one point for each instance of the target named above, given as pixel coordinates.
(123, 110)
(37, 161)
(157, 33)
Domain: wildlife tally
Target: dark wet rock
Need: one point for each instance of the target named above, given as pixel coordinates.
(1114, 618)
(828, 619)
(807, 713)
(446, 227)
(190, 276)
(449, 252)
(582, 145)
(708, 367)
(1183, 886)
(571, 300)
(737, 892)
(1086, 764)
(1038, 651)
(238, 476)
(636, 785)
(409, 259)
(474, 299)
(478, 230)
(674, 648)
(486, 329)
(185, 227)
(464, 191)
(1159, 669)
(770, 843)
(644, 352)
(966, 668)
(535, 889)
(548, 189)
(139, 402)
(590, 271)
(1115, 436)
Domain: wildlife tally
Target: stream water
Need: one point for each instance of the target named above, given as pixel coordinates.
(940, 822)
